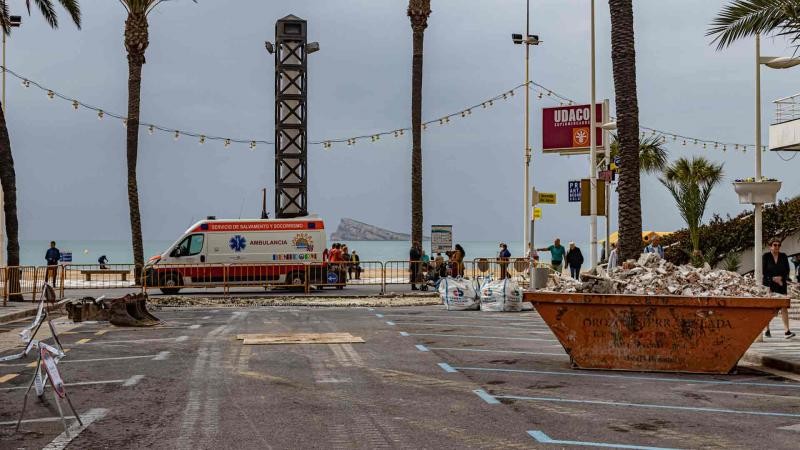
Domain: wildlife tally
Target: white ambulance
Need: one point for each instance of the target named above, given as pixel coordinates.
(245, 251)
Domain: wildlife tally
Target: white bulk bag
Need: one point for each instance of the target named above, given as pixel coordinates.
(458, 294)
(502, 295)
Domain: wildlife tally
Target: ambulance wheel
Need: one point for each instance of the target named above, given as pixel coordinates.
(295, 280)
(171, 284)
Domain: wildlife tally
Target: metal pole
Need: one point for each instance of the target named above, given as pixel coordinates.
(526, 208)
(607, 152)
(593, 155)
(757, 242)
(2, 204)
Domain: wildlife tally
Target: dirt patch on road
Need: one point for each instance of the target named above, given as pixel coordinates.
(382, 301)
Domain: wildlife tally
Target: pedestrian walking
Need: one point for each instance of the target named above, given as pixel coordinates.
(503, 258)
(52, 256)
(347, 262)
(796, 262)
(655, 247)
(612, 258)
(776, 276)
(355, 260)
(414, 257)
(574, 260)
(557, 252)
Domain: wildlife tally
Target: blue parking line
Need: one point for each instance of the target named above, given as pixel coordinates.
(403, 333)
(421, 348)
(633, 377)
(487, 397)
(480, 337)
(545, 439)
(647, 405)
(447, 368)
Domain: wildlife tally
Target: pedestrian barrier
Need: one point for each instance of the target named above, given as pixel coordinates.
(516, 269)
(350, 273)
(400, 272)
(18, 281)
(95, 276)
(171, 278)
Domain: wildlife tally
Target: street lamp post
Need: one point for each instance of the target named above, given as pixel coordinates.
(772, 62)
(14, 22)
(592, 151)
(528, 40)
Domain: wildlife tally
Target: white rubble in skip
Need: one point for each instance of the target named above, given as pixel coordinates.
(651, 275)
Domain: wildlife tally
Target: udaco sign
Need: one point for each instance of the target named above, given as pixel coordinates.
(565, 129)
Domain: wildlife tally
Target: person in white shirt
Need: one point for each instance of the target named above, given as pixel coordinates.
(612, 257)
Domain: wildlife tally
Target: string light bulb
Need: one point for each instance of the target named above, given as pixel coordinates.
(252, 145)
(684, 142)
(202, 139)
(540, 95)
(26, 83)
(75, 104)
(227, 143)
(100, 114)
(177, 135)
(51, 94)
(125, 123)
(151, 129)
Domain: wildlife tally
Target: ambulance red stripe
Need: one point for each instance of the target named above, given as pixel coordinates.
(222, 227)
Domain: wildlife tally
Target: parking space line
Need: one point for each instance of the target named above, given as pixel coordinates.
(63, 439)
(83, 341)
(632, 377)
(452, 349)
(379, 316)
(101, 332)
(421, 348)
(88, 383)
(479, 337)
(530, 319)
(194, 327)
(487, 397)
(134, 341)
(8, 377)
(649, 406)
(161, 356)
(390, 323)
(429, 324)
(447, 368)
(403, 333)
(545, 439)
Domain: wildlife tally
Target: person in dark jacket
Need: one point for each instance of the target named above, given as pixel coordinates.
(574, 260)
(52, 256)
(414, 256)
(776, 277)
(504, 256)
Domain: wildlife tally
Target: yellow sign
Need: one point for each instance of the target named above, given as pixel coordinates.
(547, 198)
(537, 213)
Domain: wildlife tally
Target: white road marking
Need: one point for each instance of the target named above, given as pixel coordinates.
(132, 381)
(194, 327)
(63, 439)
(795, 427)
(135, 341)
(86, 383)
(205, 317)
(181, 338)
(161, 356)
(429, 324)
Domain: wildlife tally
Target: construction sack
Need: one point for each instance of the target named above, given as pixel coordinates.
(458, 294)
(501, 296)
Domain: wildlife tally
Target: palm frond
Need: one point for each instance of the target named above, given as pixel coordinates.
(4, 19)
(74, 10)
(744, 18)
(48, 12)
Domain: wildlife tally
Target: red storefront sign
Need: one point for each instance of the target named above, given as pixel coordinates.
(565, 129)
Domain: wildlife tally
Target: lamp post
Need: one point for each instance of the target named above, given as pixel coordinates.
(13, 22)
(528, 40)
(592, 151)
(607, 128)
(773, 62)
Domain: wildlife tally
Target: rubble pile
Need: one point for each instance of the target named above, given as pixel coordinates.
(653, 276)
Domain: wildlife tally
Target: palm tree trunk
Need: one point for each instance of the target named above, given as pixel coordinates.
(418, 12)
(136, 41)
(9, 182)
(623, 56)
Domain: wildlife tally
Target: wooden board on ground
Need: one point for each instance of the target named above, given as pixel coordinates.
(300, 338)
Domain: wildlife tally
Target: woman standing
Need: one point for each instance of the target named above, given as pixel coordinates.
(776, 277)
(457, 259)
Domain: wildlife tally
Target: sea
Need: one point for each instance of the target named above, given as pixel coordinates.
(119, 252)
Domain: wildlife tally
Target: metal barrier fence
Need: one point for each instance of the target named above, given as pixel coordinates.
(23, 280)
(171, 278)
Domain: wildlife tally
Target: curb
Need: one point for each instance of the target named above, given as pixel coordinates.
(772, 362)
(30, 312)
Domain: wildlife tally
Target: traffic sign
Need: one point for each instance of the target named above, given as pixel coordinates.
(537, 213)
(332, 278)
(575, 191)
(547, 198)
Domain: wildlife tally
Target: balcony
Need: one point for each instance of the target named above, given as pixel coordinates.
(784, 132)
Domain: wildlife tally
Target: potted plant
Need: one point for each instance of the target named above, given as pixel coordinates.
(752, 191)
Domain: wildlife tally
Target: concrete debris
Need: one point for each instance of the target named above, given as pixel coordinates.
(651, 275)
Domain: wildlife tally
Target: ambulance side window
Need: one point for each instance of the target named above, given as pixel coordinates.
(192, 245)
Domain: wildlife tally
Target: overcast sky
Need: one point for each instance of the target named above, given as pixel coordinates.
(207, 72)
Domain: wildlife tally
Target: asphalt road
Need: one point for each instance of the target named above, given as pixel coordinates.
(424, 378)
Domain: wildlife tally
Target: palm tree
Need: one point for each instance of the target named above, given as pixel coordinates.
(690, 182)
(623, 58)
(8, 178)
(418, 12)
(652, 154)
(743, 18)
(136, 42)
